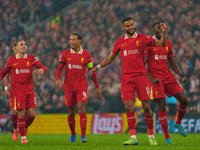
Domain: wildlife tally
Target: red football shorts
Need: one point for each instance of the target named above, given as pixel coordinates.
(169, 87)
(24, 101)
(12, 103)
(73, 97)
(138, 83)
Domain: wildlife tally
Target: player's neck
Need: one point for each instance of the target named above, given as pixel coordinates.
(21, 55)
(76, 50)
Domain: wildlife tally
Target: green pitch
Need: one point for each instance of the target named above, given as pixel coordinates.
(98, 142)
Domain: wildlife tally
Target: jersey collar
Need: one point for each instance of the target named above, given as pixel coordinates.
(80, 52)
(134, 36)
(17, 56)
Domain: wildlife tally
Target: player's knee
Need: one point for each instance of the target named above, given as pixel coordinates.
(71, 114)
(129, 108)
(147, 108)
(184, 101)
(162, 108)
(32, 114)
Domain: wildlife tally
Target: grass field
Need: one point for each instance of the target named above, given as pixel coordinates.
(98, 142)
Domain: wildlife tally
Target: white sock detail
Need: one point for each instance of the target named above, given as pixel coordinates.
(151, 136)
(133, 136)
(23, 137)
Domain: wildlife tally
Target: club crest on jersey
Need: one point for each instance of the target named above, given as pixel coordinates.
(82, 60)
(167, 49)
(137, 43)
(27, 63)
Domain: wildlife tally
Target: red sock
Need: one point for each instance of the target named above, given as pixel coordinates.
(29, 120)
(83, 123)
(14, 121)
(71, 122)
(131, 122)
(163, 122)
(181, 113)
(21, 126)
(149, 121)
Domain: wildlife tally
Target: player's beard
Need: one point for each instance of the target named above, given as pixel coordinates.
(130, 33)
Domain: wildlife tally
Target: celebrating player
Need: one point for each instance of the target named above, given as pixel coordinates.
(75, 61)
(165, 82)
(21, 67)
(134, 77)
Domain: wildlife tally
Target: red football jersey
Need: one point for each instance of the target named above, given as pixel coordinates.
(157, 61)
(132, 53)
(75, 67)
(21, 73)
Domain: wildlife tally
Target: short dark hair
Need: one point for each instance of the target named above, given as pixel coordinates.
(158, 22)
(126, 19)
(78, 36)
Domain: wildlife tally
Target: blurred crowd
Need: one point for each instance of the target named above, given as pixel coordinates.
(99, 23)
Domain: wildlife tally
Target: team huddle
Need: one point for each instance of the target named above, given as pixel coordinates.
(144, 70)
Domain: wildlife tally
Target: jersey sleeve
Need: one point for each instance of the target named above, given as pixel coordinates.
(116, 48)
(89, 61)
(170, 50)
(39, 65)
(146, 54)
(149, 41)
(63, 58)
(5, 70)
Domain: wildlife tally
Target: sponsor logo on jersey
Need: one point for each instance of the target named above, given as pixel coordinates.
(135, 51)
(18, 71)
(70, 66)
(125, 52)
(159, 57)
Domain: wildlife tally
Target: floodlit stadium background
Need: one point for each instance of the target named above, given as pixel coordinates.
(46, 25)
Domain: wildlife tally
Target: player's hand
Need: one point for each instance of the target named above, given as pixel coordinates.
(92, 71)
(163, 27)
(184, 79)
(155, 81)
(7, 93)
(40, 71)
(98, 91)
(58, 83)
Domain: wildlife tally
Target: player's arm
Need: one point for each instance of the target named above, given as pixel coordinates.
(59, 73)
(104, 63)
(176, 68)
(6, 83)
(162, 41)
(42, 69)
(5, 71)
(153, 80)
(94, 79)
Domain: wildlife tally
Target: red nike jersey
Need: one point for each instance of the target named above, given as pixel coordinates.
(132, 52)
(21, 73)
(75, 67)
(157, 61)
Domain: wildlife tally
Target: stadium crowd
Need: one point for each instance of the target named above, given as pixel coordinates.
(99, 23)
